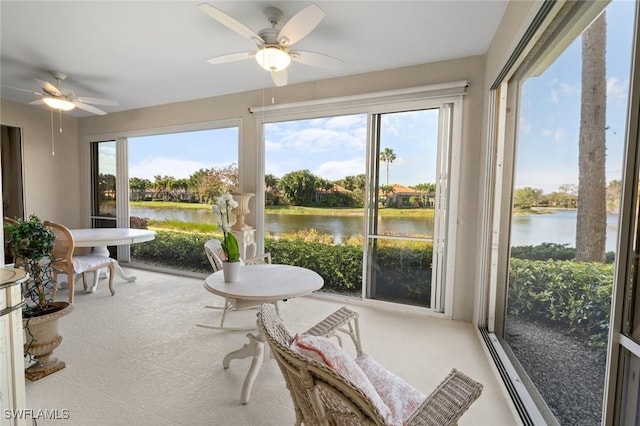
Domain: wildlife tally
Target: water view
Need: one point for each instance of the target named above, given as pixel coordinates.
(557, 227)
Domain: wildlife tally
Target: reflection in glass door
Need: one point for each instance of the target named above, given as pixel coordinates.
(103, 184)
(408, 170)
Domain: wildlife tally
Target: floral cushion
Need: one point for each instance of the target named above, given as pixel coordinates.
(401, 398)
(325, 351)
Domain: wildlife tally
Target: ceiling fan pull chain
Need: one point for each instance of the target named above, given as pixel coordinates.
(53, 146)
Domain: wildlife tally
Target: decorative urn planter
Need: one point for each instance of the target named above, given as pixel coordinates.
(42, 338)
(241, 211)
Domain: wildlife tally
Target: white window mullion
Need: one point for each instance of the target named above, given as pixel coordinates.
(122, 193)
(440, 222)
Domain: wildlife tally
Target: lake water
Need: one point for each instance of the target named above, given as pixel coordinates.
(558, 227)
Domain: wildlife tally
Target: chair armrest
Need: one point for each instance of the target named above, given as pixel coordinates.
(265, 258)
(448, 402)
(343, 320)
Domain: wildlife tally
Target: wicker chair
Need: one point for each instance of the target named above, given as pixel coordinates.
(321, 396)
(215, 254)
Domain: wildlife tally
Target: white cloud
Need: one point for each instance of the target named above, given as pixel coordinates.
(547, 179)
(345, 121)
(570, 89)
(272, 146)
(315, 140)
(617, 90)
(558, 135)
(554, 96)
(149, 167)
(525, 126)
(334, 170)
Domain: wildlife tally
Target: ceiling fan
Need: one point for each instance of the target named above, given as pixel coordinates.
(65, 100)
(274, 54)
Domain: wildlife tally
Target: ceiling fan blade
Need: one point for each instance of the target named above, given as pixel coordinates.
(231, 23)
(24, 90)
(279, 77)
(316, 59)
(301, 24)
(231, 57)
(96, 101)
(89, 108)
(49, 88)
(38, 102)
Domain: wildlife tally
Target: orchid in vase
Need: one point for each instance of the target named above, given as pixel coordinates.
(222, 212)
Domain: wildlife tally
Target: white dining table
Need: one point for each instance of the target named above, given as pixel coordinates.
(262, 283)
(100, 238)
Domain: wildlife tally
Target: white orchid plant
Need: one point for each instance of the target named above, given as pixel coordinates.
(222, 212)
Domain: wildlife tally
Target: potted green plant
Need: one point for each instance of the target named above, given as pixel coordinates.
(224, 217)
(30, 242)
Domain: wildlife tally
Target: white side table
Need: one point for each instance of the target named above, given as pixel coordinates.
(246, 239)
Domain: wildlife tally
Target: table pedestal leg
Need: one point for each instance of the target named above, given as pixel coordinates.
(103, 251)
(123, 274)
(254, 349)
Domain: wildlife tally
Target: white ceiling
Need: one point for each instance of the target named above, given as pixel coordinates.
(153, 52)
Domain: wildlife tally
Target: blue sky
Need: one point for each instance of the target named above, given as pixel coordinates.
(334, 147)
(550, 119)
(331, 148)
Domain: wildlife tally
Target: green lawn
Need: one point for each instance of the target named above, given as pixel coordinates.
(298, 210)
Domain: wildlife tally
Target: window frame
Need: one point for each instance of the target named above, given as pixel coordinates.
(501, 141)
(423, 97)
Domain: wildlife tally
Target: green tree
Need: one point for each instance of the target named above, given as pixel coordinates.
(271, 182)
(614, 192)
(106, 186)
(526, 197)
(387, 156)
(299, 187)
(138, 187)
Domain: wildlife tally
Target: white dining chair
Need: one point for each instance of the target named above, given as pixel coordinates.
(66, 263)
(215, 254)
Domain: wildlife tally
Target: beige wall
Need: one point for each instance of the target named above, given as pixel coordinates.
(236, 106)
(51, 182)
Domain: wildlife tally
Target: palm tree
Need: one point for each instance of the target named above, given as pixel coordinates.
(387, 156)
(591, 227)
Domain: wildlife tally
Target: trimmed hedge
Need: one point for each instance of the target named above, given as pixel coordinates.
(404, 273)
(574, 295)
(180, 250)
(339, 265)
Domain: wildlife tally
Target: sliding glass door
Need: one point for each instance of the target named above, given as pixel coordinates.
(407, 220)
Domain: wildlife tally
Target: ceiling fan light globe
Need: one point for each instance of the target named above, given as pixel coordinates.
(58, 104)
(273, 59)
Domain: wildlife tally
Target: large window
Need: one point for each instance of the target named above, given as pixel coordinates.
(563, 156)
(165, 180)
(363, 199)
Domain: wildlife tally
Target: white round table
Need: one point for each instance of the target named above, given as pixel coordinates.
(100, 238)
(265, 283)
(103, 237)
(257, 284)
